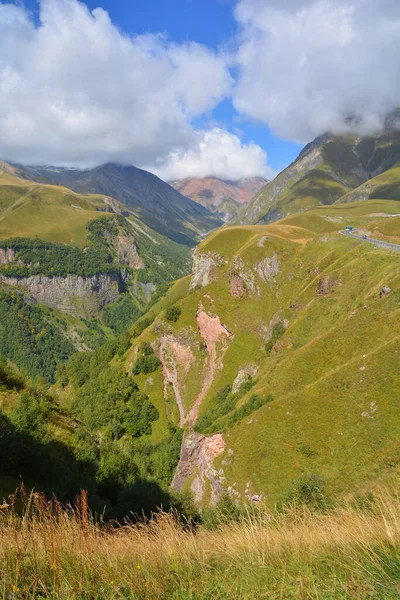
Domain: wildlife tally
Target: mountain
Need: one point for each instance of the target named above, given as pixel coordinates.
(89, 266)
(224, 198)
(155, 202)
(277, 357)
(328, 169)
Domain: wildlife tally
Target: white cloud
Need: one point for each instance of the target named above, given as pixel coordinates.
(306, 66)
(217, 153)
(75, 90)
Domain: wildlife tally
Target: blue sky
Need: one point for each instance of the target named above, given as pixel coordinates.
(208, 22)
(183, 88)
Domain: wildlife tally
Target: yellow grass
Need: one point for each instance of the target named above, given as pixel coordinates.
(59, 552)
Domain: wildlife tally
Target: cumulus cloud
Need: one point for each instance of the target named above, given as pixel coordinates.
(308, 66)
(217, 153)
(75, 90)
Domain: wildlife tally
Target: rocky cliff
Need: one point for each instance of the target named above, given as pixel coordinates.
(72, 294)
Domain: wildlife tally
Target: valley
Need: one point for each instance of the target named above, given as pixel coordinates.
(231, 375)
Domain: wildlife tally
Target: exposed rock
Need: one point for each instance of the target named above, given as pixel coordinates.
(242, 376)
(148, 289)
(7, 255)
(237, 287)
(213, 333)
(127, 253)
(241, 279)
(385, 291)
(325, 285)
(372, 410)
(204, 266)
(176, 360)
(261, 241)
(268, 268)
(72, 294)
(197, 456)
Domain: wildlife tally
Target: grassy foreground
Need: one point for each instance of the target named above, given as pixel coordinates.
(59, 552)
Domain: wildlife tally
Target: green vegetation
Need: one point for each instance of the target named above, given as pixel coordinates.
(148, 362)
(55, 260)
(51, 213)
(346, 554)
(121, 314)
(224, 402)
(173, 313)
(331, 169)
(277, 331)
(29, 338)
(309, 491)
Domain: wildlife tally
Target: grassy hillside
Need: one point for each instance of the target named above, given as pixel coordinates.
(349, 554)
(330, 169)
(153, 201)
(52, 213)
(386, 185)
(293, 309)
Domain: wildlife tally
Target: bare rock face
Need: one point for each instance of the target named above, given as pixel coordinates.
(242, 376)
(325, 285)
(176, 359)
(241, 280)
(237, 287)
(197, 456)
(204, 266)
(72, 294)
(127, 252)
(7, 256)
(385, 291)
(268, 268)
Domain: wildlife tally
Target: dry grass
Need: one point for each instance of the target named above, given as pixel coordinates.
(53, 551)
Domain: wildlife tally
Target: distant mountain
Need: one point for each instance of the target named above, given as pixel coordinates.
(223, 198)
(155, 202)
(330, 169)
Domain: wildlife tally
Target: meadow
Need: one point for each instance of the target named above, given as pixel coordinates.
(52, 551)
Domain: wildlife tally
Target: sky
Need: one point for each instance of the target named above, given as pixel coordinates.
(183, 88)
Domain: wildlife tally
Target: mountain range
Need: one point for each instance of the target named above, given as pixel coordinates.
(224, 198)
(330, 169)
(266, 356)
(155, 202)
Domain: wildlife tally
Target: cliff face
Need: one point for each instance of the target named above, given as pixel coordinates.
(7, 256)
(72, 294)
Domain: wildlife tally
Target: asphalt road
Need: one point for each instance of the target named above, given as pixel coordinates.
(388, 245)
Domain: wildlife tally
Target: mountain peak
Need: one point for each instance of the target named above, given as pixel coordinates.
(222, 197)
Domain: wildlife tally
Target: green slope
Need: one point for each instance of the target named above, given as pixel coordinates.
(386, 185)
(153, 201)
(331, 371)
(332, 168)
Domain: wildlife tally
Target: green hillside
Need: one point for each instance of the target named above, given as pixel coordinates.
(386, 185)
(286, 359)
(331, 169)
(101, 266)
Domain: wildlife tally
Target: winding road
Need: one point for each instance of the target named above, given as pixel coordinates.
(388, 245)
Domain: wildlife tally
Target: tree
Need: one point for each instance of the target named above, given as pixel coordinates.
(173, 313)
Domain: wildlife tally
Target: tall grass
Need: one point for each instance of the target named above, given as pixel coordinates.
(52, 551)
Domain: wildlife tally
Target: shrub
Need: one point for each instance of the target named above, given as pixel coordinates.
(173, 313)
(148, 362)
(277, 331)
(308, 490)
